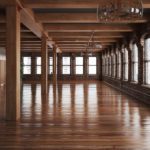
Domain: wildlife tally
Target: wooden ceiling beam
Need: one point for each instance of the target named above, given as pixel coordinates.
(77, 18)
(87, 27)
(146, 3)
(80, 50)
(83, 39)
(79, 42)
(28, 19)
(30, 44)
(102, 34)
(100, 41)
(82, 44)
(4, 3)
(69, 4)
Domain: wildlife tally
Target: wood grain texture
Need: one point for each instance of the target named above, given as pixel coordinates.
(13, 64)
(44, 68)
(84, 115)
(2, 88)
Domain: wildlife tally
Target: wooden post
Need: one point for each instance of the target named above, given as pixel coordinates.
(59, 68)
(13, 64)
(54, 65)
(44, 75)
(33, 65)
(85, 61)
(72, 66)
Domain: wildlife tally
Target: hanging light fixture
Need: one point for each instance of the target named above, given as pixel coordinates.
(92, 45)
(113, 10)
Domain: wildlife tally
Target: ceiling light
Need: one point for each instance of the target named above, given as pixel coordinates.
(115, 10)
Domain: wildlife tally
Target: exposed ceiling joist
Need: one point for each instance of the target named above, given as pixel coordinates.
(69, 4)
(85, 34)
(87, 27)
(76, 18)
(84, 39)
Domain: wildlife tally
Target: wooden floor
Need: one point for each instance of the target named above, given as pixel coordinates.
(78, 116)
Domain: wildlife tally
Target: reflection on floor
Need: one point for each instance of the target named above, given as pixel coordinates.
(78, 116)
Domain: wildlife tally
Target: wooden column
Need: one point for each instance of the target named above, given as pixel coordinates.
(59, 68)
(54, 65)
(33, 65)
(72, 69)
(13, 64)
(85, 59)
(44, 75)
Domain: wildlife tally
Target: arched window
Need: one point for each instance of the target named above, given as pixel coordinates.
(125, 64)
(118, 64)
(134, 62)
(147, 61)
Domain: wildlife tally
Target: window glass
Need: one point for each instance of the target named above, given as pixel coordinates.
(79, 70)
(26, 65)
(38, 65)
(92, 66)
(66, 65)
(134, 63)
(92, 69)
(38, 70)
(50, 65)
(119, 64)
(66, 69)
(79, 60)
(66, 60)
(27, 70)
(27, 60)
(125, 64)
(147, 61)
(92, 60)
(38, 61)
(79, 65)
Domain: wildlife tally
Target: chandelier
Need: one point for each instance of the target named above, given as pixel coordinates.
(113, 10)
(91, 46)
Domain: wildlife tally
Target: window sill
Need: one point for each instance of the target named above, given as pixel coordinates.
(125, 80)
(132, 82)
(146, 86)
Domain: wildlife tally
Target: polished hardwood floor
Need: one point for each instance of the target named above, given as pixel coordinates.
(78, 115)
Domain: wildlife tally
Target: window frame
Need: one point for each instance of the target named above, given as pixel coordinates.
(92, 65)
(119, 65)
(66, 65)
(38, 65)
(27, 65)
(78, 65)
(146, 61)
(125, 64)
(134, 63)
(50, 65)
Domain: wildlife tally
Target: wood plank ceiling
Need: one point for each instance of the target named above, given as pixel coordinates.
(69, 24)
